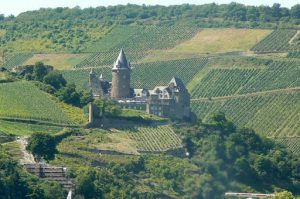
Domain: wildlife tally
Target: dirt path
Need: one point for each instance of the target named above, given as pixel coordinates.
(27, 157)
(262, 93)
(294, 37)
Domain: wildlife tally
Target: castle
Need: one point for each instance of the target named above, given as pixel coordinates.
(172, 100)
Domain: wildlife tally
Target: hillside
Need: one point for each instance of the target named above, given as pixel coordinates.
(222, 74)
(24, 101)
(244, 65)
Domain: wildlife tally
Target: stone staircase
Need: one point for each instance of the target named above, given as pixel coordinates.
(53, 173)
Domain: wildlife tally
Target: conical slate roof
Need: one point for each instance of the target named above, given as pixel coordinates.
(121, 62)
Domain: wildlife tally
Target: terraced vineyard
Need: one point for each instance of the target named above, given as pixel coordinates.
(147, 75)
(294, 54)
(23, 100)
(138, 40)
(271, 115)
(17, 59)
(223, 82)
(293, 144)
(278, 75)
(277, 41)
(153, 139)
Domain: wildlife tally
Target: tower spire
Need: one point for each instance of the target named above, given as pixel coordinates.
(121, 62)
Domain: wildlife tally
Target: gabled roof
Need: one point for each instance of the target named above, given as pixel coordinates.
(178, 84)
(121, 62)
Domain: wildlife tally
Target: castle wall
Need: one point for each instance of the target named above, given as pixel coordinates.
(120, 84)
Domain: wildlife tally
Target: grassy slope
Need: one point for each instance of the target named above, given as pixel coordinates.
(209, 41)
(221, 40)
(18, 128)
(59, 61)
(128, 140)
(25, 101)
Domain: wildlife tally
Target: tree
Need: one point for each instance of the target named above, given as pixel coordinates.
(85, 98)
(55, 79)
(42, 145)
(295, 11)
(85, 183)
(69, 95)
(284, 195)
(108, 108)
(39, 71)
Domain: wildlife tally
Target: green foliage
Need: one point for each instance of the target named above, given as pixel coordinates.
(42, 146)
(229, 156)
(39, 71)
(284, 195)
(45, 87)
(224, 158)
(69, 95)
(16, 183)
(77, 30)
(107, 108)
(55, 79)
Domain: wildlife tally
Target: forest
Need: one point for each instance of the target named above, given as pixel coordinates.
(68, 29)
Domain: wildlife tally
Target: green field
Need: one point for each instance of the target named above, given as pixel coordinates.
(23, 100)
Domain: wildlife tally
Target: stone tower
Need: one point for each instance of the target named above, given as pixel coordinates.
(121, 78)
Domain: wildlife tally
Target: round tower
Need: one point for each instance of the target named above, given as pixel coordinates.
(120, 85)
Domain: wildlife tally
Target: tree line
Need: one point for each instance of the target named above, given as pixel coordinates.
(71, 29)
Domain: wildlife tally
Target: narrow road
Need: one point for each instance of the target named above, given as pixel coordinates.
(261, 93)
(27, 157)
